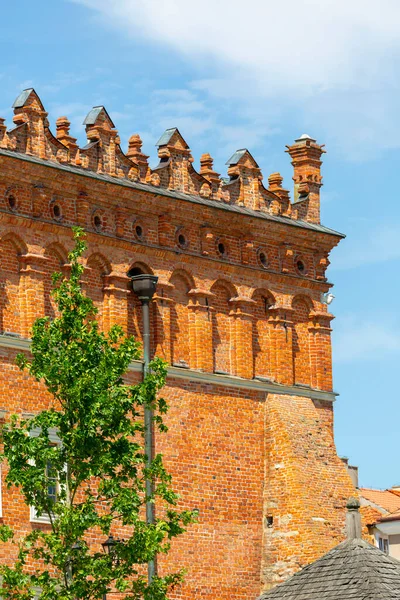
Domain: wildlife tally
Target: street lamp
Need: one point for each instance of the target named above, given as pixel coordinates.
(77, 546)
(109, 544)
(108, 547)
(144, 286)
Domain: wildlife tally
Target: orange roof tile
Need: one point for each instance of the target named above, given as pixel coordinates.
(394, 516)
(383, 498)
(370, 515)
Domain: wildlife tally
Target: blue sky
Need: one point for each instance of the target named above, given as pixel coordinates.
(257, 74)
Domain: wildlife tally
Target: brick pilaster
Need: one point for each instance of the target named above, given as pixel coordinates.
(31, 291)
(281, 344)
(162, 321)
(200, 331)
(115, 310)
(320, 350)
(242, 342)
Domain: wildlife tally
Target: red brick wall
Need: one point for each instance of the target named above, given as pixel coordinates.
(241, 450)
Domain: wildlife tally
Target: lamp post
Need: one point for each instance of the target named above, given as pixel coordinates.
(144, 286)
(108, 547)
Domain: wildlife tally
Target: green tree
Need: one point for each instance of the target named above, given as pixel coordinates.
(92, 480)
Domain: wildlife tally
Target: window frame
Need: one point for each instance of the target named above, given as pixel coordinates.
(55, 441)
(383, 544)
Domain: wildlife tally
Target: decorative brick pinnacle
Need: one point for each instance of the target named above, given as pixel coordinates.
(134, 145)
(62, 125)
(175, 170)
(135, 149)
(275, 181)
(206, 167)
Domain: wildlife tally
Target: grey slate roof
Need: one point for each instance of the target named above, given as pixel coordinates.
(22, 98)
(236, 156)
(93, 114)
(167, 136)
(353, 570)
(146, 187)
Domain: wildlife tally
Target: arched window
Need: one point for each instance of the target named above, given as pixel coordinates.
(262, 334)
(56, 258)
(301, 342)
(180, 343)
(221, 327)
(97, 268)
(10, 304)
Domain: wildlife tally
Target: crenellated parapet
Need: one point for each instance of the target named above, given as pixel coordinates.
(243, 186)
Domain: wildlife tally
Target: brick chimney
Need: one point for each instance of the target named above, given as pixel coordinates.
(306, 160)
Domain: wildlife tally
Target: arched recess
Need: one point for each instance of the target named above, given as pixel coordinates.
(262, 350)
(222, 326)
(135, 320)
(11, 247)
(180, 318)
(57, 257)
(302, 306)
(97, 267)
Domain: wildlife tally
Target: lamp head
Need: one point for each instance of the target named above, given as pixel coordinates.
(143, 285)
(109, 544)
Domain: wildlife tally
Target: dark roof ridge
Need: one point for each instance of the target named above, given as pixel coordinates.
(146, 187)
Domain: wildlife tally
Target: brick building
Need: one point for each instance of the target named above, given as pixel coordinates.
(239, 315)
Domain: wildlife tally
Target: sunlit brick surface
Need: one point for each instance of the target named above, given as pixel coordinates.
(251, 443)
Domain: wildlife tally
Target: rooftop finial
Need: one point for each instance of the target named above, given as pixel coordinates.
(353, 519)
(304, 137)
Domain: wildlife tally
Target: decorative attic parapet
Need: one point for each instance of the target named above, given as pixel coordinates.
(103, 148)
(63, 125)
(306, 159)
(175, 168)
(175, 171)
(207, 171)
(243, 167)
(275, 181)
(136, 155)
(31, 119)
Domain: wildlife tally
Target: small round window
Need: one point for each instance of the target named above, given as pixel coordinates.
(12, 202)
(263, 259)
(221, 248)
(301, 267)
(97, 222)
(57, 212)
(182, 242)
(139, 232)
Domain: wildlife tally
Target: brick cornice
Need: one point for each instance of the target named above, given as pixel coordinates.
(149, 248)
(282, 221)
(267, 387)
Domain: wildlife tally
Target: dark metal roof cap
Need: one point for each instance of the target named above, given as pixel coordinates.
(22, 98)
(235, 158)
(93, 115)
(166, 136)
(90, 145)
(304, 138)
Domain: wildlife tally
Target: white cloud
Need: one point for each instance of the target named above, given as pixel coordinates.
(335, 62)
(292, 43)
(355, 340)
